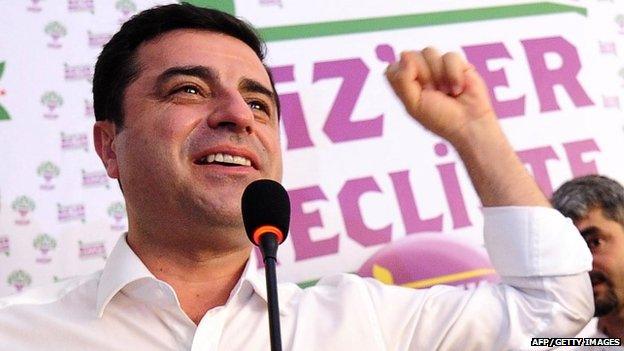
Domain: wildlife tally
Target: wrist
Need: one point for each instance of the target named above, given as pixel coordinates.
(478, 134)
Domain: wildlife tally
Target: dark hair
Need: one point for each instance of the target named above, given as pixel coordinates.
(575, 198)
(116, 66)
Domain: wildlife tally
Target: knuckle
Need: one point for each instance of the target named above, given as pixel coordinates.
(408, 56)
(449, 56)
(406, 53)
(429, 50)
(453, 58)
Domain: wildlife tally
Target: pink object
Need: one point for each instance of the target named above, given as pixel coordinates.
(423, 260)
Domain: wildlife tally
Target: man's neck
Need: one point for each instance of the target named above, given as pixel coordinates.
(202, 280)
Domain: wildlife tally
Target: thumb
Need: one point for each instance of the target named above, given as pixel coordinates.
(475, 85)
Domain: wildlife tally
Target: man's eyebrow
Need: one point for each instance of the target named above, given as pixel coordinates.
(202, 72)
(589, 231)
(250, 85)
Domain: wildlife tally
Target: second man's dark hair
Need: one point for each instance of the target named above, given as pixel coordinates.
(576, 197)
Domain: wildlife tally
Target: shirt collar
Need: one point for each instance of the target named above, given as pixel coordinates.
(253, 281)
(123, 267)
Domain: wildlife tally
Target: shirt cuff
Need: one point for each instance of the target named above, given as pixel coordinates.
(533, 241)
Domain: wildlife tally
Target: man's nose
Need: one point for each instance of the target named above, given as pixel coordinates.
(232, 112)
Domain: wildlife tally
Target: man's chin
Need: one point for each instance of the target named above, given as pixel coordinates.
(213, 213)
(605, 303)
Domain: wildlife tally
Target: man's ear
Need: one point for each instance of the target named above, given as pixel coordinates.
(104, 140)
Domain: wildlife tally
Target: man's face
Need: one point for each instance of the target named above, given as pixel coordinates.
(605, 239)
(200, 125)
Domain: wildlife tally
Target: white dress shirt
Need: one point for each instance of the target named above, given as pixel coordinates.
(545, 292)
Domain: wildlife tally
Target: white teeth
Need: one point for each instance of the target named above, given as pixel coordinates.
(226, 158)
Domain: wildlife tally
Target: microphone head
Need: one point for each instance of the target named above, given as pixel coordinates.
(265, 202)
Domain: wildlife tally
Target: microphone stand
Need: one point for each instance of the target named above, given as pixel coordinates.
(268, 246)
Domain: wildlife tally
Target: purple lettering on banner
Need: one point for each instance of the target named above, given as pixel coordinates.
(478, 55)
(348, 198)
(608, 47)
(536, 160)
(339, 127)
(295, 127)
(4, 245)
(91, 250)
(98, 39)
(575, 150)
(611, 101)
(566, 75)
(452, 190)
(385, 53)
(301, 222)
(409, 210)
(78, 72)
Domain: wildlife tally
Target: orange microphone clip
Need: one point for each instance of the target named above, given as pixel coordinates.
(265, 229)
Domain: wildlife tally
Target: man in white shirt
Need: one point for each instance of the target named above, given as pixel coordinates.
(596, 205)
(187, 117)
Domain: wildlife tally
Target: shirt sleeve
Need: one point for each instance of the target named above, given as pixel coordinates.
(545, 291)
(533, 241)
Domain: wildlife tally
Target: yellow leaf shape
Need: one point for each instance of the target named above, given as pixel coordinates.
(383, 274)
(450, 278)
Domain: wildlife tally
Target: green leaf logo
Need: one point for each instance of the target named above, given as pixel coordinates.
(4, 115)
(55, 29)
(222, 5)
(117, 210)
(19, 279)
(48, 170)
(44, 243)
(126, 6)
(51, 99)
(619, 19)
(23, 204)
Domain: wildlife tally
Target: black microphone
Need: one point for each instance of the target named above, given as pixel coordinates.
(266, 214)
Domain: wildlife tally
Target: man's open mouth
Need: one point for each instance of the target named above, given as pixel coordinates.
(224, 160)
